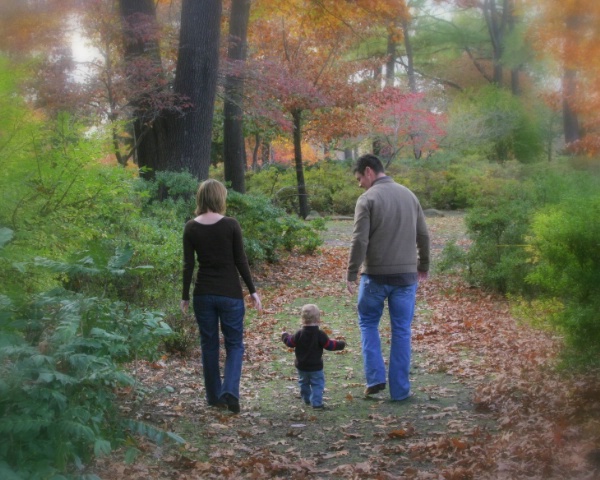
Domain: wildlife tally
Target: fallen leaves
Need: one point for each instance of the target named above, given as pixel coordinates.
(546, 424)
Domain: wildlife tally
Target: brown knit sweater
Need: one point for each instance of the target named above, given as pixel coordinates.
(390, 234)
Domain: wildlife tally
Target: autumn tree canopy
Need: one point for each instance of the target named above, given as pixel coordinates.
(313, 68)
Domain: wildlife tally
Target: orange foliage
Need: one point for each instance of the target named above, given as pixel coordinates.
(283, 152)
(32, 26)
(301, 49)
(567, 30)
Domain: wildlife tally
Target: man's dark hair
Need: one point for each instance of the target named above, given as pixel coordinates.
(368, 160)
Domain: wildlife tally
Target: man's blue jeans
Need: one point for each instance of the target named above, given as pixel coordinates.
(312, 385)
(212, 311)
(401, 305)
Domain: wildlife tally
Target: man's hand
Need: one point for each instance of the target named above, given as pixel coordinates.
(351, 287)
(422, 276)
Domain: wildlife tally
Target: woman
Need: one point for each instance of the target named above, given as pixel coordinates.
(216, 241)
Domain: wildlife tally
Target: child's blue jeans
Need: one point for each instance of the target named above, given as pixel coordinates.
(312, 385)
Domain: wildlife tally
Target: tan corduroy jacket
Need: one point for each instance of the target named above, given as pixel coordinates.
(390, 234)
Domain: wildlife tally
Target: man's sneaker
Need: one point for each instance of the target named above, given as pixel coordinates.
(374, 389)
(320, 407)
(408, 397)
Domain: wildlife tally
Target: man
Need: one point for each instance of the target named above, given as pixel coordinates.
(391, 241)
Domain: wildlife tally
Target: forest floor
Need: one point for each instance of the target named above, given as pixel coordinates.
(489, 400)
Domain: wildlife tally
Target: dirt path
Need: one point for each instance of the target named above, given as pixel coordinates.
(452, 428)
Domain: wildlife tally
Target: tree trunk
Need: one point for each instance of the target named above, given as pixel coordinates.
(190, 136)
(515, 82)
(496, 24)
(266, 153)
(570, 120)
(146, 78)
(569, 88)
(390, 64)
(376, 146)
(233, 134)
(257, 142)
(302, 196)
(412, 81)
(410, 57)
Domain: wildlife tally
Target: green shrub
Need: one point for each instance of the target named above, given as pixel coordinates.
(498, 225)
(184, 337)
(493, 122)
(268, 229)
(564, 247)
(453, 257)
(57, 199)
(59, 356)
(330, 185)
(343, 201)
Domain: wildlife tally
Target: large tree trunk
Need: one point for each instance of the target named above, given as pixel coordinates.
(302, 196)
(234, 151)
(196, 79)
(146, 79)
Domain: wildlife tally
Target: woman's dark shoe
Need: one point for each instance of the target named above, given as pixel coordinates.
(232, 403)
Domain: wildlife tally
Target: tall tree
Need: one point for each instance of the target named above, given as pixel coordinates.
(234, 151)
(305, 53)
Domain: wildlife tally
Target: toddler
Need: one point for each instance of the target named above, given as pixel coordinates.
(309, 343)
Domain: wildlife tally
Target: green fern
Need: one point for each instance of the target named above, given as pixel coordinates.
(57, 406)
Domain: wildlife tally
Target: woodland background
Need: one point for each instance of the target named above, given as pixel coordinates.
(112, 111)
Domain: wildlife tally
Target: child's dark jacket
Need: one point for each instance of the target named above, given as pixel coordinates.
(309, 343)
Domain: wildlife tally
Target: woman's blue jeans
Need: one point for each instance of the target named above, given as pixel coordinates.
(312, 385)
(401, 306)
(211, 312)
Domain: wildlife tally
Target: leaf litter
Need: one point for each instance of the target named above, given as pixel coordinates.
(489, 402)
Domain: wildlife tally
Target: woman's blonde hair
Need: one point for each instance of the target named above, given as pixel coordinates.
(211, 196)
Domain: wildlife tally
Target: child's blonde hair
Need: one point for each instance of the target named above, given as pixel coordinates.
(310, 314)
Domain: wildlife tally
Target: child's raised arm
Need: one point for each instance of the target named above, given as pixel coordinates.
(288, 340)
(332, 345)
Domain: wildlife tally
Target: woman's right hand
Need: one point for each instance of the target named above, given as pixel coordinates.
(185, 306)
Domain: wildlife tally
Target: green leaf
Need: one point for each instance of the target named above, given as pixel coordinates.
(6, 235)
(102, 447)
(131, 454)
(174, 436)
(6, 473)
(121, 258)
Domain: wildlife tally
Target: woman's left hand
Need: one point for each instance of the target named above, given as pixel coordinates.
(257, 303)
